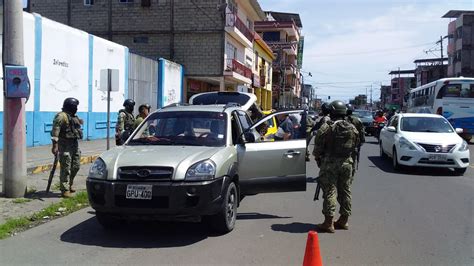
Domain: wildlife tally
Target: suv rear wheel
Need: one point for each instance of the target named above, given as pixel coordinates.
(224, 221)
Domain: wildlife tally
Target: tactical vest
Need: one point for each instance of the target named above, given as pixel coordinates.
(342, 139)
(128, 121)
(72, 129)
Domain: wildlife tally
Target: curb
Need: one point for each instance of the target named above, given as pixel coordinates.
(47, 167)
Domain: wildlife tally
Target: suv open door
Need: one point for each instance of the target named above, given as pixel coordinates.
(272, 165)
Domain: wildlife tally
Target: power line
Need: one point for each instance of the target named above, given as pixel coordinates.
(391, 50)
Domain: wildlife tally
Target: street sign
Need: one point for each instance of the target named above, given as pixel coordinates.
(104, 80)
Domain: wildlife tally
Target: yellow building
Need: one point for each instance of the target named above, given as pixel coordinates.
(262, 73)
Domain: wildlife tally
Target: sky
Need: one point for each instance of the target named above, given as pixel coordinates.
(351, 45)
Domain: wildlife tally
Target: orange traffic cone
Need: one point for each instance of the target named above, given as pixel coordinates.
(312, 256)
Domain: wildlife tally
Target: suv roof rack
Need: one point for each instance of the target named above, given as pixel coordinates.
(175, 105)
(231, 104)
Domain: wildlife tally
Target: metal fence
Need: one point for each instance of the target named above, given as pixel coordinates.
(143, 81)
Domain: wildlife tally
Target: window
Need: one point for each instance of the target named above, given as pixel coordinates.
(141, 39)
(126, 1)
(88, 2)
(231, 51)
(244, 120)
(256, 61)
(271, 36)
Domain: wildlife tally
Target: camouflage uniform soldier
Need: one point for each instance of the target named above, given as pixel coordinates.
(65, 135)
(360, 127)
(324, 117)
(125, 122)
(334, 144)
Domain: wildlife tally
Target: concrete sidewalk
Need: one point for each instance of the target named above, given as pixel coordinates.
(39, 159)
(39, 162)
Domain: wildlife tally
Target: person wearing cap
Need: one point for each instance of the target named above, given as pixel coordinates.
(65, 134)
(125, 122)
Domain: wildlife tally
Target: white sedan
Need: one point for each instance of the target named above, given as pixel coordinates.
(424, 140)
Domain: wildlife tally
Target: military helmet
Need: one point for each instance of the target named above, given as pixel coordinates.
(338, 108)
(70, 102)
(129, 102)
(350, 109)
(325, 108)
(144, 106)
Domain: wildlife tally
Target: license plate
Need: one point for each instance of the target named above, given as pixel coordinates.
(438, 157)
(139, 192)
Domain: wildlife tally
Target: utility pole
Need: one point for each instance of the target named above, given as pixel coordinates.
(14, 136)
(371, 107)
(399, 84)
(440, 42)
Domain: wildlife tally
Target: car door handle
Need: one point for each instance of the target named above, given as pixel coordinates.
(292, 152)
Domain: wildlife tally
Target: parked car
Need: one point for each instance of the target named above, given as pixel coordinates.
(193, 162)
(367, 120)
(424, 140)
(313, 115)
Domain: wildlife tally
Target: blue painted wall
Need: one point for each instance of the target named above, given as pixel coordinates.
(39, 124)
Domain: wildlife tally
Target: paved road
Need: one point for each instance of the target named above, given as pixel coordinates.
(424, 217)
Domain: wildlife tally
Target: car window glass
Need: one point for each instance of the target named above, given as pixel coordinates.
(182, 128)
(426, 124)
(235, 128)
(244, 120)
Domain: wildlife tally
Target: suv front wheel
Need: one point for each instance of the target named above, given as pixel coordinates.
(224, 221)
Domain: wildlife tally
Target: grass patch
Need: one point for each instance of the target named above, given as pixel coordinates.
(55, 210)
(21, 200)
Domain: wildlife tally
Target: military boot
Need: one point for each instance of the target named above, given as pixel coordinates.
(71, 189)
(327, 226)
(66, 194)
(341, 223)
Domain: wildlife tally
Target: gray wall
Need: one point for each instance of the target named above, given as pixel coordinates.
(198, 28)
(143, 81)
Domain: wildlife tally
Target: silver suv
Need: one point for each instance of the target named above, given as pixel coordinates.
(193, 161)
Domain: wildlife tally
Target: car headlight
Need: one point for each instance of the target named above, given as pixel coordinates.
(464, 146)
(405, 144)
(204, 170)
(98, 169)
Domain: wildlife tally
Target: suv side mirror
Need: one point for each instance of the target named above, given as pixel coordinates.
(459, 130)
(249, 137)
(391, 129)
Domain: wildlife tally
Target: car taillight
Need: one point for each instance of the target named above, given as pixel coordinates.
(439, 111)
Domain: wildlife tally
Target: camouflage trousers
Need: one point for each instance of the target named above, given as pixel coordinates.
(70, 161)
(335, 179)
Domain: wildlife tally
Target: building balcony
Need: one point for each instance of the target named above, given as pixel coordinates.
(237, 28)
(290, 48)
(288, 26)
(238, 72)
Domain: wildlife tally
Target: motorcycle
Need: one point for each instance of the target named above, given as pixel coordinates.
(378, 127)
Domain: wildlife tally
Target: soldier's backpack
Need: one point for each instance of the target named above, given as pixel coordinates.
(342, 139)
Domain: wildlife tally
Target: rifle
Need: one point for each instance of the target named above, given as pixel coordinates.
(358, 157)
(51, 174)
(318, 189)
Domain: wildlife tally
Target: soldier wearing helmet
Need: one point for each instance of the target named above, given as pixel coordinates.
(334, 145)
(324, 117)
(65, 134)
(125, 122)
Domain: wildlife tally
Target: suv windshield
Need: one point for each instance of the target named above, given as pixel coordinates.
(362, 114)
(186, 128)
(426, 124)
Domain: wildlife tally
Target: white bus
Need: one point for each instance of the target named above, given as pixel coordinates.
(452, 98)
